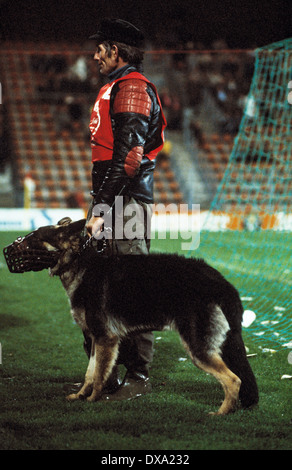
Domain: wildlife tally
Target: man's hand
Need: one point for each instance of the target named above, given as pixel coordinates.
(94, 226)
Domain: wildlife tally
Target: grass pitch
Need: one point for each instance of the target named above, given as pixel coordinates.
(42, 350)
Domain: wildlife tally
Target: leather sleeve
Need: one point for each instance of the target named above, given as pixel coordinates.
(130, 114)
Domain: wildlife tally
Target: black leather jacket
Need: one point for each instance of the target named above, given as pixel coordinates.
(130, 130)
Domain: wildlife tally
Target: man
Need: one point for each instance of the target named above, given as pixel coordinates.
(126, 128)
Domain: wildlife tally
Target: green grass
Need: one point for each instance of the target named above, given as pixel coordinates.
(42, 350)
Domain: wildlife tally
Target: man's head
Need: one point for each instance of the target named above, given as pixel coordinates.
(118, 43)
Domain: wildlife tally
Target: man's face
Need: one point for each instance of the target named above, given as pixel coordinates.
(107, 63)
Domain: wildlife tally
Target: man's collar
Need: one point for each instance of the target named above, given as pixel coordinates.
(121, 72)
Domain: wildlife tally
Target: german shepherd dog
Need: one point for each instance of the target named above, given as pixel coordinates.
(112, 297)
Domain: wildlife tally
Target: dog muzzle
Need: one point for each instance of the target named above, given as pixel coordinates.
(21, 257)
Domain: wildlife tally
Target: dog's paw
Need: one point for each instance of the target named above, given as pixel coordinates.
(95, 396)
(72, 397)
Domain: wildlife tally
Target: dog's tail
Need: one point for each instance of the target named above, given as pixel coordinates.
(234, 355)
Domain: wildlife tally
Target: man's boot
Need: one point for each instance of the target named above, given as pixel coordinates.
(113, 382)
(134, 385)
(136, 354)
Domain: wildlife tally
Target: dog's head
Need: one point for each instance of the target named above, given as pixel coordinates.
(43, 248)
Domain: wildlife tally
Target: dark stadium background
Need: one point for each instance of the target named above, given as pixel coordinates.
(242, 24)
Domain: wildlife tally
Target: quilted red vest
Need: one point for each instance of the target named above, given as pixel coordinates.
(100, 122)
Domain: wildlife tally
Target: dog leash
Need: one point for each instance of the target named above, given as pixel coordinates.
(108, 230)
(90, 243)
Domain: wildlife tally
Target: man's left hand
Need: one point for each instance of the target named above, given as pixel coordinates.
(94, 226)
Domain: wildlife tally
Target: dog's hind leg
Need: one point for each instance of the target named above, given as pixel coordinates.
(234, 356)
(203, 341)
(214, 365)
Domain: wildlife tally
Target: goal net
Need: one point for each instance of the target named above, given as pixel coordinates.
(254, 250)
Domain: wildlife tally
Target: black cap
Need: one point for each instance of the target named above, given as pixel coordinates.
(119, 31)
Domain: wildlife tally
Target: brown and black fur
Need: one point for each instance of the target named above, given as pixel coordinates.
(112, 297)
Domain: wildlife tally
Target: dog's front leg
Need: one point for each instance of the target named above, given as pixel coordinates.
(106, 353)
(86, 389)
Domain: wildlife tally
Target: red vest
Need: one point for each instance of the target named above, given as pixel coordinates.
(100, 126)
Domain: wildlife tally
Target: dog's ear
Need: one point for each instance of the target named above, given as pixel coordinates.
(75, 227)
(65, 221)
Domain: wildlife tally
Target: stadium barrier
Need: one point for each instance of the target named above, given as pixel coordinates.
(163, 221)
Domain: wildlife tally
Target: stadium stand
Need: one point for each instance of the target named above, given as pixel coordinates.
(49, 134)
(214, 155)
(52, 151)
